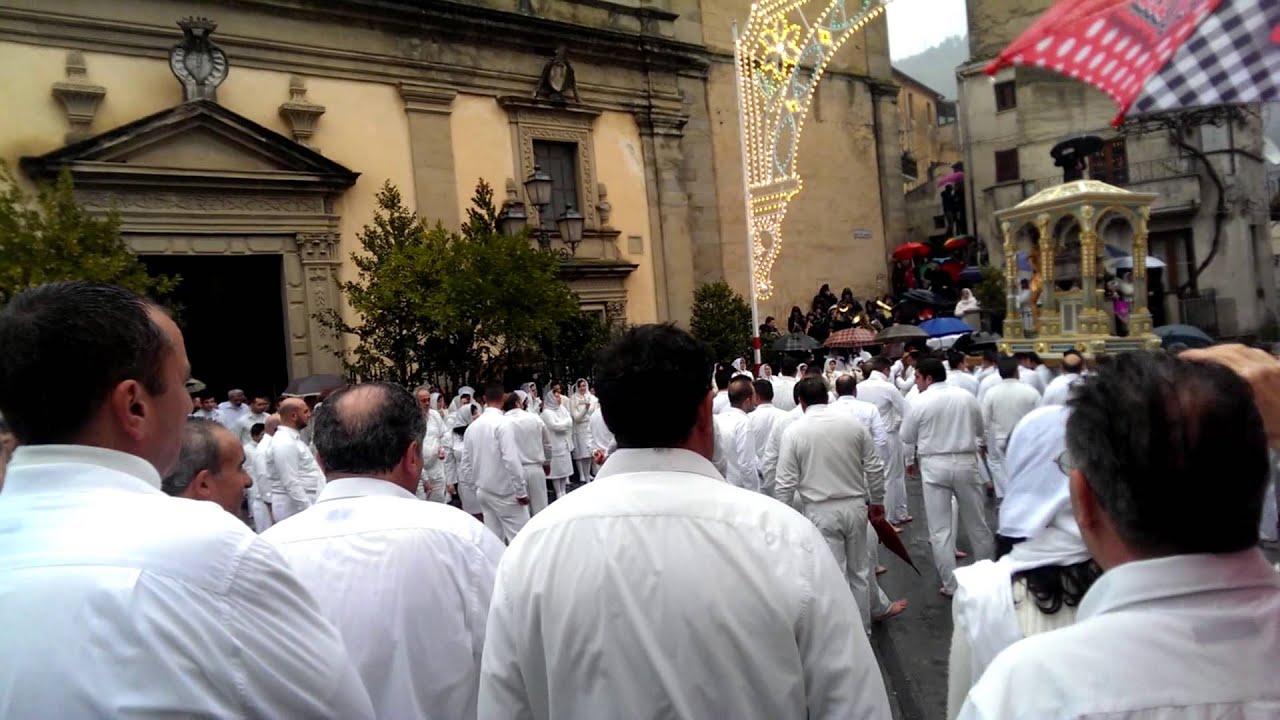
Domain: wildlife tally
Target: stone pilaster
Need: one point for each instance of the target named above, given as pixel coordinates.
(320, 261)
(660, 136)
(430, 140)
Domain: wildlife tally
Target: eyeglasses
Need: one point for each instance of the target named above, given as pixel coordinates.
(1063, 461)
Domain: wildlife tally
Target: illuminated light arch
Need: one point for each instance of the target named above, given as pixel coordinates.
(781, 55)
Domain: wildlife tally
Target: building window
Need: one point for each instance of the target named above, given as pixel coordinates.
(1111, 164)
(1007, 169)
(1006, 95)
(560, 161)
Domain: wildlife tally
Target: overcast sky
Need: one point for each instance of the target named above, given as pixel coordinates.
(916, 25)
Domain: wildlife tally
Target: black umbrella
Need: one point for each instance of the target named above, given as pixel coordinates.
(314, 385)
(927, 297)
(1188, 335)
(795, 342)
(900, 333)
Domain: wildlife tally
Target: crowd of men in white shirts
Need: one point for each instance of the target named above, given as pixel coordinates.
(658, 590)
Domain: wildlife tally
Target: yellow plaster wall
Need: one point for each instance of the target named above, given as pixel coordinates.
(481, 137)
(620, 166)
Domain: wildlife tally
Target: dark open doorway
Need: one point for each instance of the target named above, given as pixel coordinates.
(232, 320)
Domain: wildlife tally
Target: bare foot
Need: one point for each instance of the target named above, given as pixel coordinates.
(880, 569)
(897, 608)
(960, 554)
(905, 519)
(896, 528)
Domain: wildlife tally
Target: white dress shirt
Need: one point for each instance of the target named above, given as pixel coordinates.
(720, 402)
(1059, 389)
(246, 424)
(761, 421)
(784, 392)
(491, 457)
(1182, 637)
(601, 436)
(963, 380)
(867, 414)
(988, 382)
(120, 601)
(231, 416)
(697, 600)
(533, 440)
(206, 415)
(293, 468)
(436, 437)
(262, 467)
(407, 584)
(829, 455)
(738, 445)
(769, 462)
(1046, 374)
(1003, 407)
(1032, 378)
(878, 391)
(981, 373)
(560, 423)
(902, 376)
(943, 420)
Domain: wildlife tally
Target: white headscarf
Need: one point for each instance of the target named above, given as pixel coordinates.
(457, 400)
(465, 414)
(766, 372)
(549, 399)
(532, 404)
(740, 369)
(967, 302)
(524, 396)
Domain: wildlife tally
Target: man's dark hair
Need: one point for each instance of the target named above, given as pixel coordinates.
(511, 402)
(881, 364)
(955, 358)
(846, 385)
(64, 346)
(256, 398)
(724, 373)
(932, 368)
(740, 391)
(366, 429)
(812, 391)
(764, 390)
(494, 392)
(1020, 356)
(1072, 361)
(257, 429)
(200, 451)
(644, 358)
(768, 320)
(1008, 368)
(991, 355)
(1034, 357)
(1150, 432)
(789, 365)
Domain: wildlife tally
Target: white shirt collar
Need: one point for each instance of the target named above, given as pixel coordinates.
(488, 410)
(847, 399)
(877, 375)
(817, 409)
(764, 405)
(635, 460)
(1143, 581)
(32, 455)
(354, 487)
(288, 432)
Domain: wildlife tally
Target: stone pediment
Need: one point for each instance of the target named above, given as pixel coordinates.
(196, 143)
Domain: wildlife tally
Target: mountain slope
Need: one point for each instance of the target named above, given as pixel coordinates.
(936, 67)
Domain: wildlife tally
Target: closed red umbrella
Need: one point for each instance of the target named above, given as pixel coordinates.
(957, 242)
(906, 251)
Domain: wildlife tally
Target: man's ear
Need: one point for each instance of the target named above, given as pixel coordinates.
(1084, 503)
(201, 487)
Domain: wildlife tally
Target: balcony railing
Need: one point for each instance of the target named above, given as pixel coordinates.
(1134, 174)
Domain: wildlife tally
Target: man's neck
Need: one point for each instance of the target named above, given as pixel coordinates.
(404, 484)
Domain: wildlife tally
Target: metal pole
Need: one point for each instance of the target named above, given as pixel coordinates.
(746, 193)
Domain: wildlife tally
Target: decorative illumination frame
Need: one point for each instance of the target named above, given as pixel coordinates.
(780, 57)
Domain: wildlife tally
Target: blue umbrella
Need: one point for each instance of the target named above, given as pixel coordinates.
(939, 327)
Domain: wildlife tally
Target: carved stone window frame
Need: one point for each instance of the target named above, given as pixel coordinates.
(538, 120)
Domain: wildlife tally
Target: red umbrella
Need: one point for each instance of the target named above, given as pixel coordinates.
(957, 242)
(889, 538)
(906, 251)
(850, 338)
(1158, 56)
(953, 268)
(952, 179)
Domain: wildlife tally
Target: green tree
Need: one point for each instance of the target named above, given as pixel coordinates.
(722, 319)
(49, 237)
(454, 307)
(990, 292)
(570, 353)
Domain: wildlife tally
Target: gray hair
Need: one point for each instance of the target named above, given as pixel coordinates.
(234, 393)
(199, 452)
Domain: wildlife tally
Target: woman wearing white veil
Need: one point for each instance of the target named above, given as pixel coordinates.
(1038, 585)
(740, 368)
(581, 404)
(465, 391)
(766, 372)
(560, 424)
(534, 404)
(434, 450)
(458, 423)
(967, 302)
(830, 373)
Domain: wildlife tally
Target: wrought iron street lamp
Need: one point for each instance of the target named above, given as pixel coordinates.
(537, 187)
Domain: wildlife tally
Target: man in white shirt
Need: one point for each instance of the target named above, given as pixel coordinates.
(295, 476)
(958, 374)
(784, 384)
(264, 482)
(233, 410)
(407, 583)
(1027, 373)
(491, 462)
(786, 641)
(737, 443)
(210, 467)
(903, 372)
(989, 358)
(762, 420)
(1184, 621)
(208, 409)
(533, 441)
(1002, 407)
(120, 600)
(257, 495)
(992, 378)
(878, 391)
(945, 425)
(257, 414)
(1059, 389)
(829, 458)
(724, 374)
(1042, 371)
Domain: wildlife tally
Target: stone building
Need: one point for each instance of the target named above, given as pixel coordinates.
(928, 134)
(251, 173)
(1010, 122)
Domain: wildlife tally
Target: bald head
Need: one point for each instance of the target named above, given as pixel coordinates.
(273, 422)
(846, 386)
(294, 413)
(371, 430)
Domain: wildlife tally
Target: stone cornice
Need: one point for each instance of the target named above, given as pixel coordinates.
(426, 98)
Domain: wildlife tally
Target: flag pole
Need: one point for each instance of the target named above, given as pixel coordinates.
(746, 195)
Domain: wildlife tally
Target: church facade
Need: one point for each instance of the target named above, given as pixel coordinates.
(244, 148)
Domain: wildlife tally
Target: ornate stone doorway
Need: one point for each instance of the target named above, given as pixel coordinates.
(200, 181)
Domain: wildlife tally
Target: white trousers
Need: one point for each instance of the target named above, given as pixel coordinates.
(502, 514)
(843, 524)
(438, 491)
(283, 506)
(945, 477)
(995, 463)
(895, 481)
(261, 515)
(536, 480)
